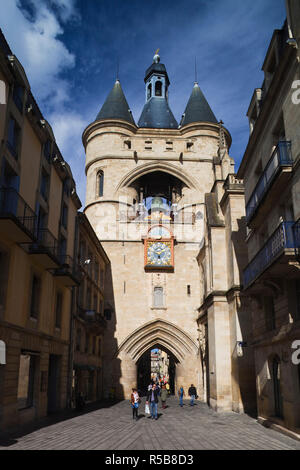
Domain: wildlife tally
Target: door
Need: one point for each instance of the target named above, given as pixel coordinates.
(278, 402)
(53, 383)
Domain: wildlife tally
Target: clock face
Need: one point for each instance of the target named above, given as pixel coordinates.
(159, 254)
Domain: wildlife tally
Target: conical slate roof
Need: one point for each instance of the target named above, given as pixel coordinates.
(197, 109)
(157, 114)
(116, 106)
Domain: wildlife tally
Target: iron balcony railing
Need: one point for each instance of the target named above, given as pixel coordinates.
(45, 242)
(92, 316)
(280, 157)
(67, 265)
(13, 205)
(287, 235)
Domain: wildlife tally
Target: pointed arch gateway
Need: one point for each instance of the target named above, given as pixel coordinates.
(158, 332)
(142, 170)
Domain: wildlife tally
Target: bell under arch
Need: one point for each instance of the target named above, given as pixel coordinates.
(132, 176)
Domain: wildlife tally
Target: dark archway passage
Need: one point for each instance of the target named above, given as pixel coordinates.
(155, 364)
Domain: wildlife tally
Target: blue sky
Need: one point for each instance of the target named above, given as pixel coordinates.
(70, 50)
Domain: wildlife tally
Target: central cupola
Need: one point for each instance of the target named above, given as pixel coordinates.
(156, 112)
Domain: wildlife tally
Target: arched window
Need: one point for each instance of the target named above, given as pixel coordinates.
(149, 91)
(158, 88)
(100, 183)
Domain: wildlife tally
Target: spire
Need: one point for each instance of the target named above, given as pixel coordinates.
(197, 109)
(156, 112)
(116, 106)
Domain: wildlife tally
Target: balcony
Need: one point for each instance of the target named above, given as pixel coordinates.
(68, 272)
(271, 183)
(17, 219)
(278, 256)
(45, 249)
(95, 322)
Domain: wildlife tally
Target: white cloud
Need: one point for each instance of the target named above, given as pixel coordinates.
(35, 41)
(68, 127)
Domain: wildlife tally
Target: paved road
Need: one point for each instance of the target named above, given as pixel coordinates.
(112, 428)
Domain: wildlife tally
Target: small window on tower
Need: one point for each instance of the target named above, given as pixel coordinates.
(158, 88)
(148, 144)
(100, 183)
(169, 145)
(127, 144)
(149, 91)
(189, 146)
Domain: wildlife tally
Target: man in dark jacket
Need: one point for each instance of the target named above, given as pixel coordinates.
(193, 394)
(152, 399)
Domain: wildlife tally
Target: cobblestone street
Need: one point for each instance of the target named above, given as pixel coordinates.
(112, 428)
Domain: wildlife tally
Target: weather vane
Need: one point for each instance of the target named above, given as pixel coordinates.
(156, 57)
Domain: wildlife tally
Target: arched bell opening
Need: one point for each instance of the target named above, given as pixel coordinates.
(158, 191)
(158, 365)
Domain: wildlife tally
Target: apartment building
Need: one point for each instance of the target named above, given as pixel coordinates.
(38, 208)
(90, 317)
(271, 172)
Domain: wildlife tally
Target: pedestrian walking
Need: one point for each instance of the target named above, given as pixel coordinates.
(193, 394)
(163, 396)
(152, 399)
(135, 401)
(181, 394)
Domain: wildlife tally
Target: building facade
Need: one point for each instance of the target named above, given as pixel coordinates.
(165, 203)
(89, 320)
(38, 207)
(271, 172)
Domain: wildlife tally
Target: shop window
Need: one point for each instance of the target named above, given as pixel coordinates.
(26, 380)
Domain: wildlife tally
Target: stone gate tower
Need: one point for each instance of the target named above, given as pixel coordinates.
(153, 197)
